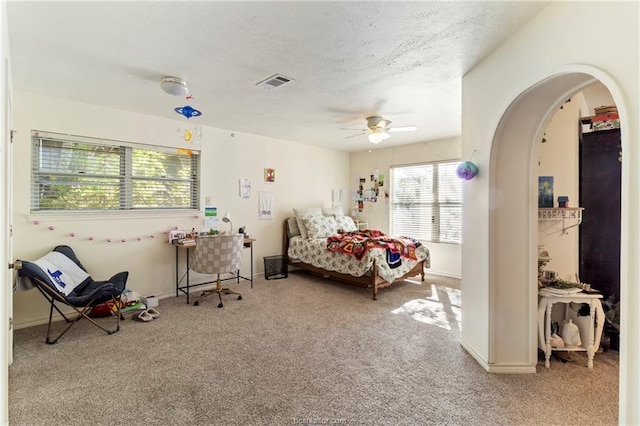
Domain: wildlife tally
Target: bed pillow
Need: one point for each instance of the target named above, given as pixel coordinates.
(292, 227)
(320, 226)
(346, 224)
(301, 214)
(332, 211)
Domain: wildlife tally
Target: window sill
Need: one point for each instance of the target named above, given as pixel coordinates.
(115, 215)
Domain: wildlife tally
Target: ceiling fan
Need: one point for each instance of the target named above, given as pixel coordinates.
(377, 128)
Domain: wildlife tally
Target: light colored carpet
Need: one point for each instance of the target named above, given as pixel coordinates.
(301, 350)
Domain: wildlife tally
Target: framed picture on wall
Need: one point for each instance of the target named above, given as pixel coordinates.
(269, 175)
(545, 191)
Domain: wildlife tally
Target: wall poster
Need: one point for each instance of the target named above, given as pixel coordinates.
(265, 205)
(210, 218)
(245, 188)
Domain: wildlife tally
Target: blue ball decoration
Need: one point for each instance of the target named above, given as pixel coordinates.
(467, 170)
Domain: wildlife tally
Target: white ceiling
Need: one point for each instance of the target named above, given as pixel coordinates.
(349, 60)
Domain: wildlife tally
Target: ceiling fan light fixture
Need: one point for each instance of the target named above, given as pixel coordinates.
(376, 138)
(174, 86)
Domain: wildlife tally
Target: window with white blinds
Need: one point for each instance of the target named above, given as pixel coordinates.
(73, 173)
(426, 202)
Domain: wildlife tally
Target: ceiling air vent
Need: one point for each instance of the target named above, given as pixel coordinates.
(274, 81)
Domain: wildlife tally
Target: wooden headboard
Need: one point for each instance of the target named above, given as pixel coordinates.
(286, 234)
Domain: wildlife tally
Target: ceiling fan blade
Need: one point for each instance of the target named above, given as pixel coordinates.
(348, 128)
(385, 135)
(353, 136)
(402, 129)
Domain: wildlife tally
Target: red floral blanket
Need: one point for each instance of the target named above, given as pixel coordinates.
(357, 243)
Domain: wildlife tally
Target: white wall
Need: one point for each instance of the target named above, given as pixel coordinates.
(150, 261)
(6, 336)
(558, 157)
(445, 258)
(595, 96)
(498, 268)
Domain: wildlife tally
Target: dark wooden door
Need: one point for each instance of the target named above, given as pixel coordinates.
(600, 178)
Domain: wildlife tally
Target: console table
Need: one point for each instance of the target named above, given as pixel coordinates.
(595, 324)
(248, 243)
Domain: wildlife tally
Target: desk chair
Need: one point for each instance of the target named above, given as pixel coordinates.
(62, 279)
(217, 254)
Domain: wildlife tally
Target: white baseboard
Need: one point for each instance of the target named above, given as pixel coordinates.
(498, 368)
(512, 369)
(68, 311)
(443, 274)
(474, 354)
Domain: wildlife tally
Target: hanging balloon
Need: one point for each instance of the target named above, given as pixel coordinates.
(188, 111)
(467, 170)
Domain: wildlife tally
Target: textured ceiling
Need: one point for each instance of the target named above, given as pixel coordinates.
(349, 60)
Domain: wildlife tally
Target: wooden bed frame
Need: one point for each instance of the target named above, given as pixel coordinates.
(371, 279)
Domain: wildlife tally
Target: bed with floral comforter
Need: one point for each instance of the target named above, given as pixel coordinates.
(367, 258)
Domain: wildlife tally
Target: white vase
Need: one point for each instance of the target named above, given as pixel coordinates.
(583, 326)
(571, 334)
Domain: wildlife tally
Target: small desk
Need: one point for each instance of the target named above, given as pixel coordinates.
(545, 305)
(248, 243)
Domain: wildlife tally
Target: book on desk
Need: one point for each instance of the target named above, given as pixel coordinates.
(185, 242)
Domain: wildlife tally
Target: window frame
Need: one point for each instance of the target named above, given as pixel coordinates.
(123, 179)
(434, 206)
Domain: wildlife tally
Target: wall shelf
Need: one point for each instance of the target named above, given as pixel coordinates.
(563, 214)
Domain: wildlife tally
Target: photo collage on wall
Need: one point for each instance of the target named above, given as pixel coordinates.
(369, 189)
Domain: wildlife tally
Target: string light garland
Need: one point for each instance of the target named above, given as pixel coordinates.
(138, 238)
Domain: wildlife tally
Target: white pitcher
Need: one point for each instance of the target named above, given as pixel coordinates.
(571, 334)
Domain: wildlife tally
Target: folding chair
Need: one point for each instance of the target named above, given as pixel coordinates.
(62, 279)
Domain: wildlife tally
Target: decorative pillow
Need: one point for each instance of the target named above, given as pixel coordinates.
(292, 226)
(301, 214)
(346, 224)
(320, 226)
(332, 211)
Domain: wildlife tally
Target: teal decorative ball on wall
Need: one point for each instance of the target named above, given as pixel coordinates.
(467, 170)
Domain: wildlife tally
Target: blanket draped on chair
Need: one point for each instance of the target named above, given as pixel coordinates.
(63, 272)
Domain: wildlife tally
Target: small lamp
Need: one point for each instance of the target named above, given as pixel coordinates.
(227, 219)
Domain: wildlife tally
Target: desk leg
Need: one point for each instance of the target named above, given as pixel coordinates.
(547, 337)
(177, 275)
(187, 275)
(251, 249)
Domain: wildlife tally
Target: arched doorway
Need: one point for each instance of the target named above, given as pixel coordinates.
(513, 235)
(513, 218)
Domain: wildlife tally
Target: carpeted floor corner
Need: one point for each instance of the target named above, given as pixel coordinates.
(301, 350)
